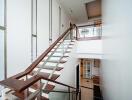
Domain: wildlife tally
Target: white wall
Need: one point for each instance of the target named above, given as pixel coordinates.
(116, 69)
(18, 35)
(19, 31)
(91, 46)
(43, 23)
(65, 20)
(43, 26)
(55, 20)
(89, 49)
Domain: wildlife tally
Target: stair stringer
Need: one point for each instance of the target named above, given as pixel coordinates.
(67, 76)
(68, 73)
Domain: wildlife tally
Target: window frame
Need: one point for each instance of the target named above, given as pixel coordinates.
(3, 28)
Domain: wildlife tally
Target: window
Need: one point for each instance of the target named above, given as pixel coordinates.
(2, 39)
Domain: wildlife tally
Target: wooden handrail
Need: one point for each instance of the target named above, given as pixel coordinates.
(37, 61)
(19, 85)
(40, 58)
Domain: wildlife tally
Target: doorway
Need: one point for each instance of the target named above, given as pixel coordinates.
(89, 71)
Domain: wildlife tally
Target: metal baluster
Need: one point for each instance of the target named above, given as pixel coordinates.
(80, 94)
(69, 92)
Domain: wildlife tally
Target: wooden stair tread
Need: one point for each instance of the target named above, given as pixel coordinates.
(49, 87)
(12, 83)
(46, 75)
(20, 85)
(43, 98)
(19, 95)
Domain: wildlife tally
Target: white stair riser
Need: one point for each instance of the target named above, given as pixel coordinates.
(65, 43)
(65, 46)
(50, 64)
(59, 54)
(55, 59)
(48, 71)
(61, 50)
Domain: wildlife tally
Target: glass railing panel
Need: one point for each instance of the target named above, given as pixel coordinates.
(90, 32)
(58, 96)
(62, 93)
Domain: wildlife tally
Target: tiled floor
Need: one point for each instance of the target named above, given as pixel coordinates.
(87, 94)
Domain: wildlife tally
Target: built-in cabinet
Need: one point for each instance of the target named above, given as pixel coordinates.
(89, 68)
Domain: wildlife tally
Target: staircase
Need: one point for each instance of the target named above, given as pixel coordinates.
(39, 79)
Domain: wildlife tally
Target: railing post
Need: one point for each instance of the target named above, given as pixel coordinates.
(72, 95)
(63, 51)
(40, 82)
(69, 92)
(76, 93)
(71, 34)
(80, 95)
(76, 32)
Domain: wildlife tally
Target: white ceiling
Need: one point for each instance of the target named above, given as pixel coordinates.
(76, 9)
